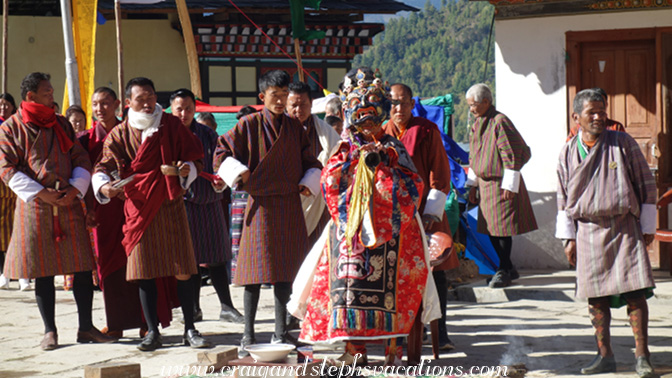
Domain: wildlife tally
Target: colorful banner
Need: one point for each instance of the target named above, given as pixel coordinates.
(84, 16)
(298, 9)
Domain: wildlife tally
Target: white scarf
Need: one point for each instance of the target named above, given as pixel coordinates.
(147, 123)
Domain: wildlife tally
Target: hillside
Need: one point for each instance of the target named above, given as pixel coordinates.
(436, 51)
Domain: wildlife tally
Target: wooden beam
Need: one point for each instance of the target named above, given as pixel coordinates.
(261, 11)
(190, 45)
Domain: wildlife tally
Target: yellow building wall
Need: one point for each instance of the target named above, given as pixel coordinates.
(151, 48)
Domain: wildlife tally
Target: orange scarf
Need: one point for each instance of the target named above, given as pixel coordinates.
(44, 116)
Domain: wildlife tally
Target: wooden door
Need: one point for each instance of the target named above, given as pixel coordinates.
(627, 72)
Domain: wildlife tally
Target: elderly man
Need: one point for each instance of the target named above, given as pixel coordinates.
(606, 236)
(323, 139)
(497, 154)
(422, 140)
(157, 158)
(44, 164)
(268, 155)
(610, 124)
(207, 222)
(333, 108)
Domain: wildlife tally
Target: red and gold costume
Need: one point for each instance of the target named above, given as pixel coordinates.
(366, 276)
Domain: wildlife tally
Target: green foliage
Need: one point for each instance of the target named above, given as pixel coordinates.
(437, 51)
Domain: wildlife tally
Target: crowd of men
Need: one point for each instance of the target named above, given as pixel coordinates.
(350, 201)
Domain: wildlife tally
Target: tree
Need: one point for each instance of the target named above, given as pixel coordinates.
(437, 51)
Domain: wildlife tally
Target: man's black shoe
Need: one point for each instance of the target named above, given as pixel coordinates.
(445, 343)
(600, 365)
(287, 338)
(500, 279)
(152, 341)
(245, 341)
(643, 367)
(231, 315)
(293, 322)
(194, 339)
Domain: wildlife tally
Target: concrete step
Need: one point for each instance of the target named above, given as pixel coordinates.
(542, 285)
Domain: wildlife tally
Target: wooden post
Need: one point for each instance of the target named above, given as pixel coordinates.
(297, 51)
(120, 52)
(5, 29)
(190, 45)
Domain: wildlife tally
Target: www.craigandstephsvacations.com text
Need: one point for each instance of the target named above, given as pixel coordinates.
(338, 370)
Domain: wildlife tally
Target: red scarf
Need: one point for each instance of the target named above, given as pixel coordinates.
(44, 116)
(146, 193)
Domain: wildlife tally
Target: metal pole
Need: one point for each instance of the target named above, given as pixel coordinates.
(120, 51)
(71, 70)
(5, 28)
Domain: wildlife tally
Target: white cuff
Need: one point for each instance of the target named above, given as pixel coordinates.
(218, 190)
(97, 181)
(472, 179)
(230, 171)
(564, 226)
(80, 179)
(311, 180)
(436, 203)
(647, 218)
(25, 187)
(511, 180)
(193, 173)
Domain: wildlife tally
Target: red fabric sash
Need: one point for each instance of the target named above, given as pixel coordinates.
(145, 194)
(44, 116)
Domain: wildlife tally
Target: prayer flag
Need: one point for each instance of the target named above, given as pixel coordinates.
(299, 31)
(84, 22)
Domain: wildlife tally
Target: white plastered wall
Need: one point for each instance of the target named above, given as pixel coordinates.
(152, 48)
(531, 89)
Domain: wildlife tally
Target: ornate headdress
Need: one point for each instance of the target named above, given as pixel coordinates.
(367, 101)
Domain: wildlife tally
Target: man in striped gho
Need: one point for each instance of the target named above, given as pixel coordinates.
(160, 158)
(607, 218)
(42, 162)
(497, 153)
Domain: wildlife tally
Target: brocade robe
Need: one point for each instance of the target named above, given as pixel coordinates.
(33, 250)
(608, 198)
(495, 147)
(373, 290)
(277, 153)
